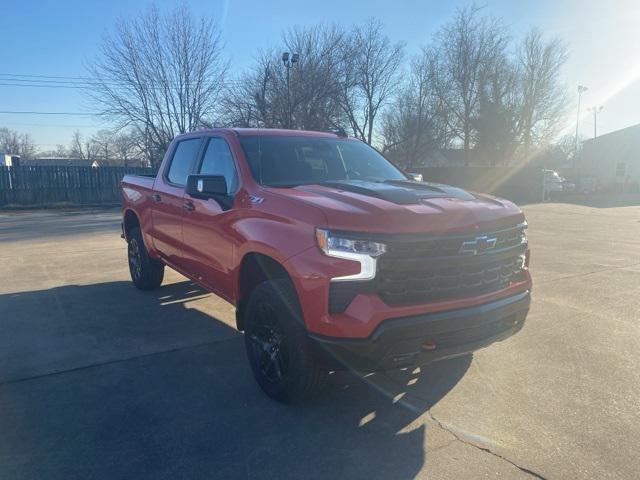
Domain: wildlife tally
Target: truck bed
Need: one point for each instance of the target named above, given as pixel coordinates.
(138, 181)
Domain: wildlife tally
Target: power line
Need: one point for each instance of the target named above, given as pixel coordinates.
(77, 87)
(48, 125)
(47, 144)
(56, 77)
(21, 78)
(53, 80)
(94, 85)
(17, 112)
(82, 83)
(43, 76)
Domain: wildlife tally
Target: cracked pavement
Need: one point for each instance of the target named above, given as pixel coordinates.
(99, 380)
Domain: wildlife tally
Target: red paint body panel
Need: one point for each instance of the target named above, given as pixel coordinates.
(209, 243)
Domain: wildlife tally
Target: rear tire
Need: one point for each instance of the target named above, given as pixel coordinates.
(146, 273)
(282, 358)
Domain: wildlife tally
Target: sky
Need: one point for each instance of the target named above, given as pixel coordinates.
(57, 38)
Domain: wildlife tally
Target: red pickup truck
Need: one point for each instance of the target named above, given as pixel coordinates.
(331, 255)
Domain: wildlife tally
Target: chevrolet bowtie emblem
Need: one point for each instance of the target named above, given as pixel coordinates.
(478, 245)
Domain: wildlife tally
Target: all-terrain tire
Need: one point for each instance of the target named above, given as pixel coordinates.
(146, 273)
(282, 357)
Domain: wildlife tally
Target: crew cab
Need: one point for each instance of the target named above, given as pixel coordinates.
(331, 255)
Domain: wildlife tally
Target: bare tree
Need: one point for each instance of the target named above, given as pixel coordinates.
(103, 144)
(60, 151)
(16, 143)
(162, 75)
(242, 100)
(263, 97)
(256, 99)
(468, 88)
(467, 48)
(542, 96)
(410, 127)
(9, 141)
(497, 117)
(82, 148)
(370, 76)
(125, 146)
(77, 146)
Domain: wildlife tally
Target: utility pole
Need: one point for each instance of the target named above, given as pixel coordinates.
(288, 63)
(595, 111)
(581, 90)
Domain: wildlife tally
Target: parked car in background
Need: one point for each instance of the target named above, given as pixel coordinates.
(330, 254)
(554, 184)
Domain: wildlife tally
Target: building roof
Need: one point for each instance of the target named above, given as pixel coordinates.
(602, 154)
(624, 133)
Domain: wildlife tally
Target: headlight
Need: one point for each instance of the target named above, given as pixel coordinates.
(363, 251)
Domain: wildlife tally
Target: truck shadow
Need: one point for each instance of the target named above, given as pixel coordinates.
(104, 381)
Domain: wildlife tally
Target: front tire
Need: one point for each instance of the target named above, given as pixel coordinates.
(146, 273)
(282, 358)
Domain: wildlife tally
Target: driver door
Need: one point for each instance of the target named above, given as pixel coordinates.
(207, 224)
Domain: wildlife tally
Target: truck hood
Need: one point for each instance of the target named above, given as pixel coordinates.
(405, 207)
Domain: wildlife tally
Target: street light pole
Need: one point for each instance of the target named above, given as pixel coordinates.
(595, 111)
(288, 62)
(581, 90)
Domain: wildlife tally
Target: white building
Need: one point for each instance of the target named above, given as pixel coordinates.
(8, 160)
(612, 161)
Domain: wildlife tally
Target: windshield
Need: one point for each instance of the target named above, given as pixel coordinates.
(297, 160)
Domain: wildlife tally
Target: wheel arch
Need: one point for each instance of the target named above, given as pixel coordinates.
(130, 220)
(254, 269)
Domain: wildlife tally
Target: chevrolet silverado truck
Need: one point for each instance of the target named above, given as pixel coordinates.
(332, 256)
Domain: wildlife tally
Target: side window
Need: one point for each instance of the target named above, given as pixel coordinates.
(219, 161)
(182, 161)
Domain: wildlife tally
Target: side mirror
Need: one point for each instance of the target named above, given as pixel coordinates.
(206, 186)
(416, 177)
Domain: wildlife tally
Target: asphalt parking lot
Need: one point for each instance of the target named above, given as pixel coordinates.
(99, 380)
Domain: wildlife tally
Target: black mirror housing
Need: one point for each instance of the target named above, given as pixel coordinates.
(206, 186)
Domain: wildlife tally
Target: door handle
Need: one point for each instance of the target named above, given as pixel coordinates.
(156, 198)
(189, 206)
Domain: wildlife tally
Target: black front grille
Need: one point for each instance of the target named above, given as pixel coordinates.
(444, 246)
(418, 270)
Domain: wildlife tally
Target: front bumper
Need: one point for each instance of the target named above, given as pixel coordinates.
(421, 339)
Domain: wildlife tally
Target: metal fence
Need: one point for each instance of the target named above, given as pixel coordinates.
(43, 186)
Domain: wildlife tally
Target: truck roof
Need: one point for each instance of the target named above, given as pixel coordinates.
(281, 132)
